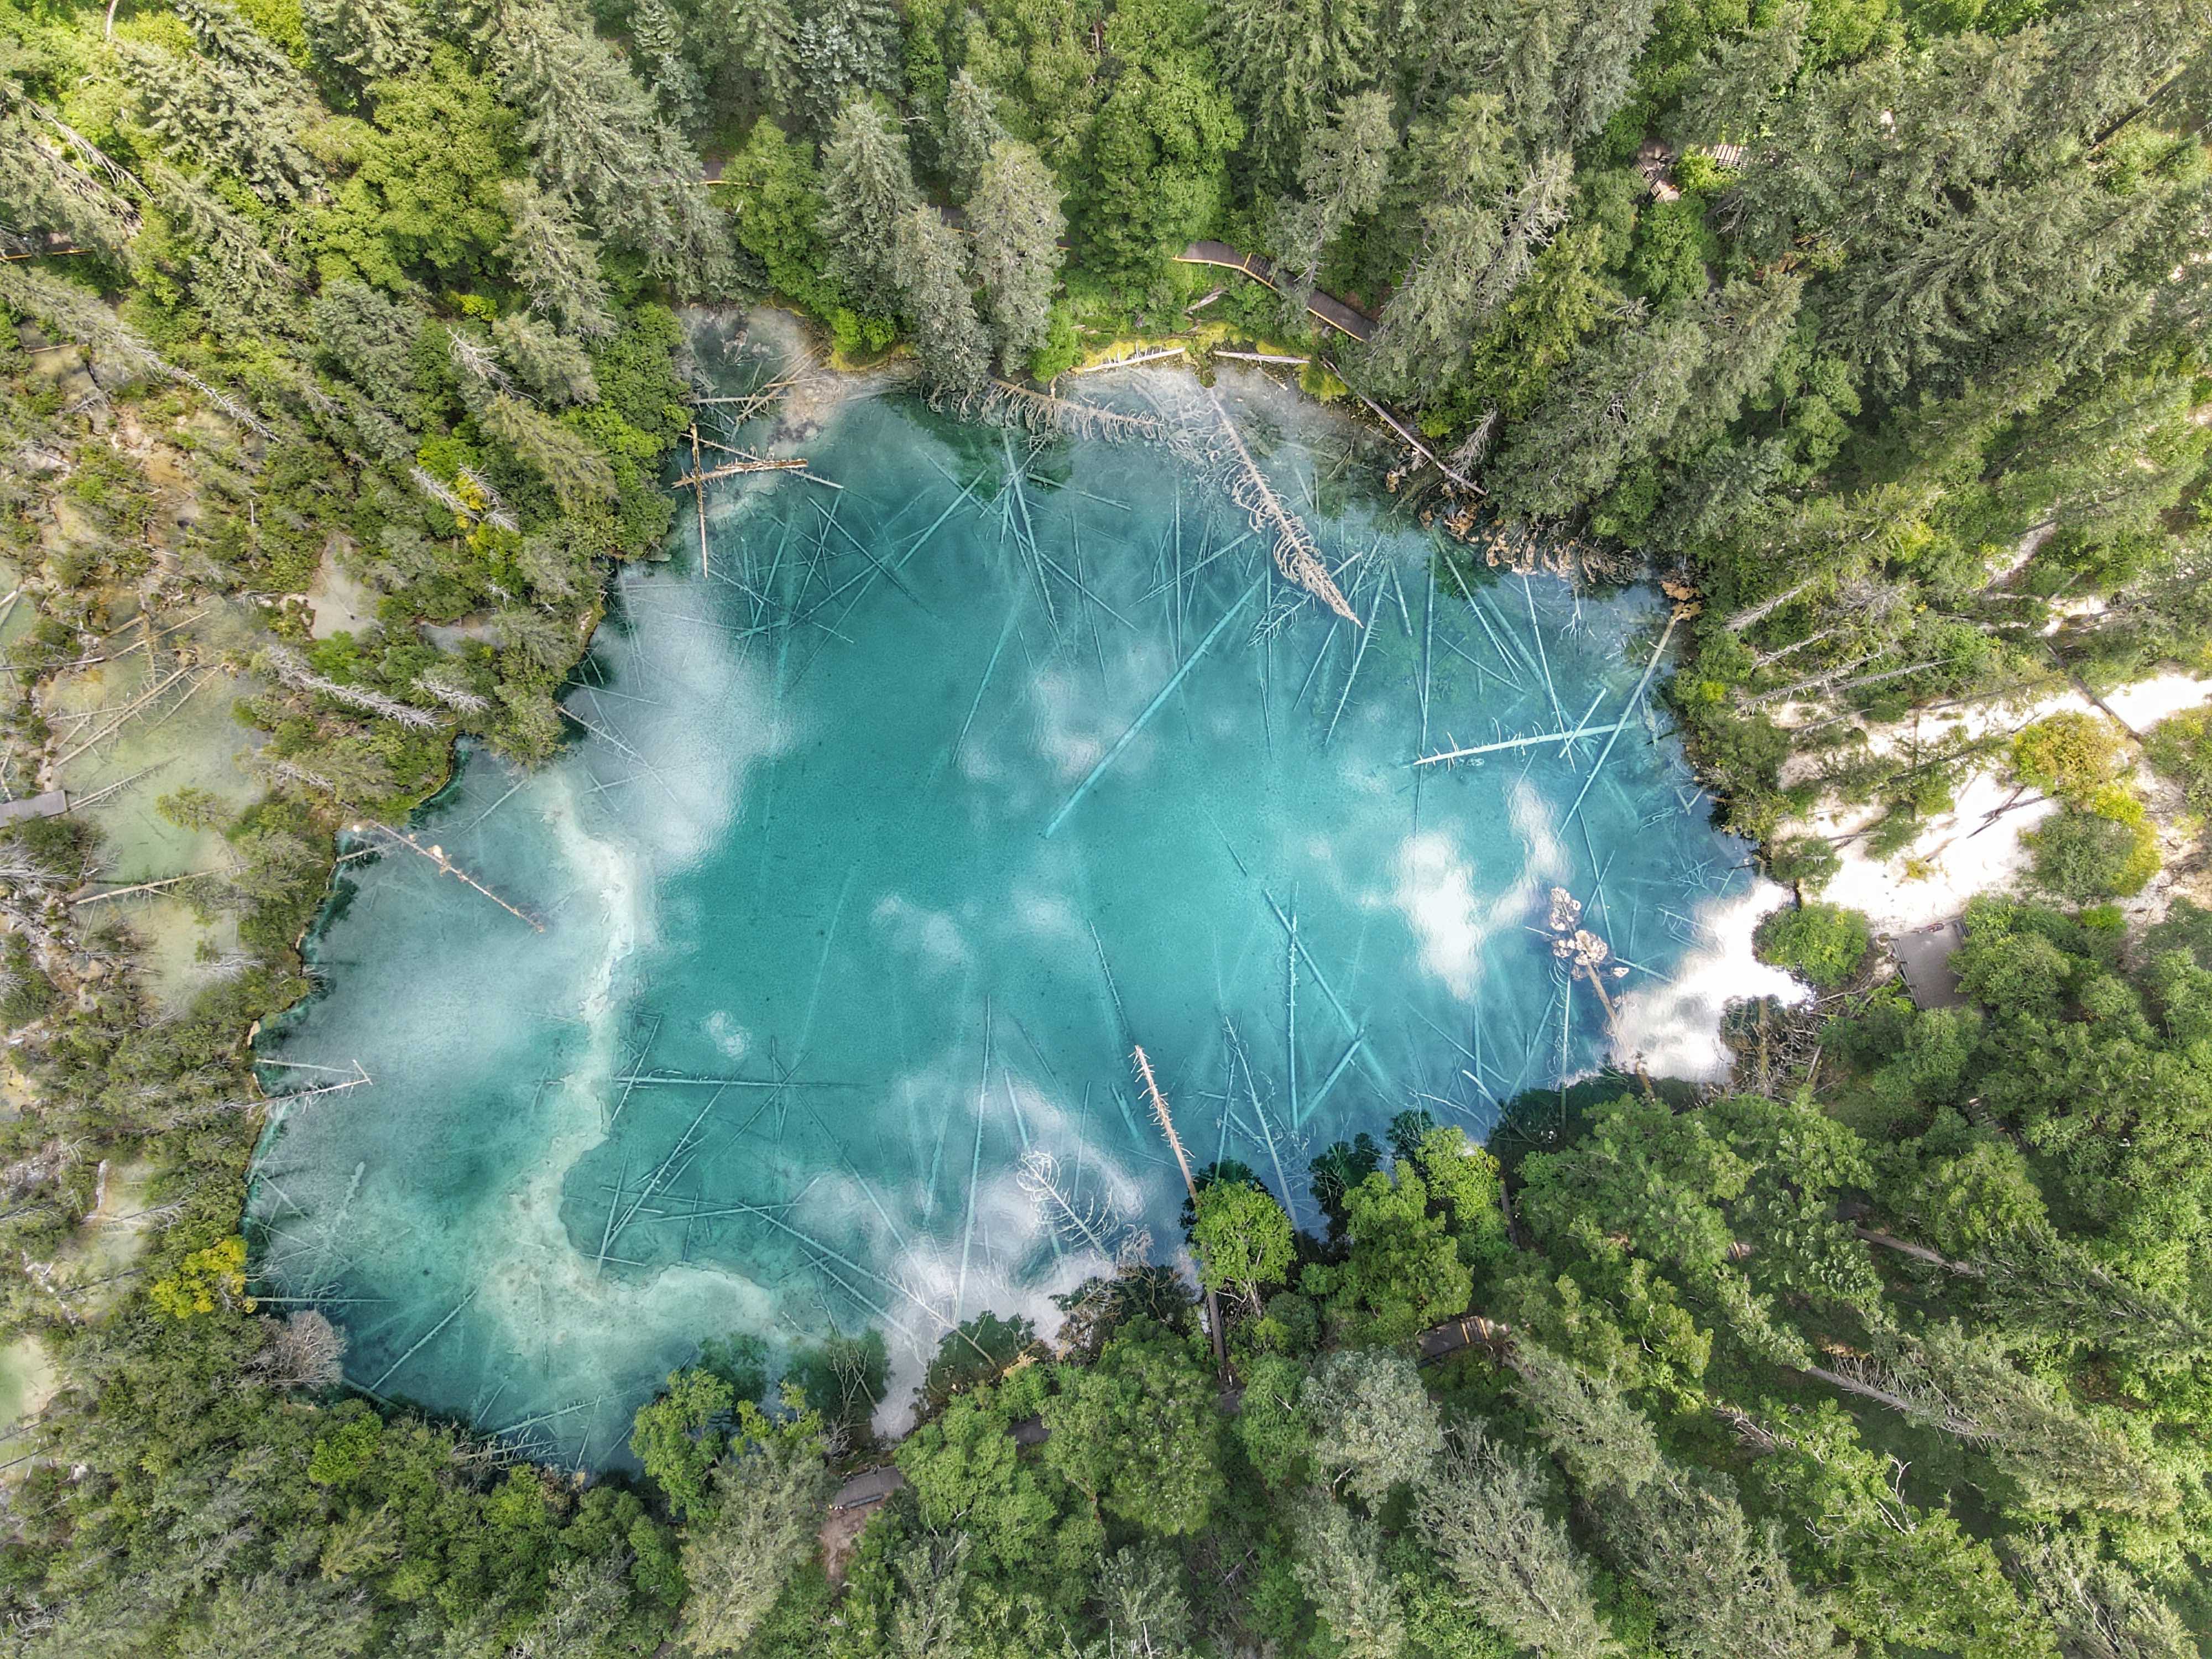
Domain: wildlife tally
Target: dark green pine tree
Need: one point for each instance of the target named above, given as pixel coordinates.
(368, 40)
(657, 43)
(1486, 220)
(1015, 219)
(932, 271)
(971, 131)
(226, 115)
(845, 48)
(1342, 176)
(867, 186)
(2028, 260)
(1288, 63)
(556, 261)
(1617, 400)
(1590, 77)
(228, 38)
(1155, 170)
(751, 49)
(599, 143)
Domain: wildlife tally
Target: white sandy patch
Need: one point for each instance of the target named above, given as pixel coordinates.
(1968, 851)
(337, 601)
(2145, 703)
(1956, 854)
(1673, 1024)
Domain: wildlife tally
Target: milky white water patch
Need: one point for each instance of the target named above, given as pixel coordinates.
(1673, 1024)
(1436, 890)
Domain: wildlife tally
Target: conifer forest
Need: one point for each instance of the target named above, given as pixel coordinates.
(352, 365)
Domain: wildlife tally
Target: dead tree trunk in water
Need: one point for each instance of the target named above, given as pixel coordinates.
(1175, 1143)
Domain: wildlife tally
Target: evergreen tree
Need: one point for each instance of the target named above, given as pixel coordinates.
(556, 261)
(1038, 60)
(1486, 1510)
(2099, 1609)
(972, 133)
(779, 214)
(756, 41)
(371, 337)
(227, 115)
(1481, 241)
(657, 40)
(1342, 175)
(1599, 1438)
(2016, 259)
(369, 39)
(1617, 401)
(598, 142)
(225, 37)
(54, 180)
(1375, 1428)
(1289, 62)
(1155, 171)
(2109, 64)
(845, 49)
(237, 282)
(1733, 95)
(549, 364)
(1016, 222)
(1590, 77)
(1721, 1587)
(866, 188)
(768, 1501)
(1746, 325)
(570, 463)
(1144, 1604)
(932, 273)
(1340, 1564)
(1964, 1384)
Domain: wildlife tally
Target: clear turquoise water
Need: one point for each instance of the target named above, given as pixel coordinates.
(845, 947)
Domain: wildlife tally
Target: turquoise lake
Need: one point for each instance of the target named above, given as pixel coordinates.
(882, 844)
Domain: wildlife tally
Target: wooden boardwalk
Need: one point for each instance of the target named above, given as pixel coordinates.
(1327, 306)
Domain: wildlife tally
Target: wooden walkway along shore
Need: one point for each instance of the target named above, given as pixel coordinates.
(1327, 306)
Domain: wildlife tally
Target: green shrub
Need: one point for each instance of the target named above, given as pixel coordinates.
(2086, 856)
(2068, 756)
(1808, 863)
(25, 992)
(1823, 944)
(2181, 749)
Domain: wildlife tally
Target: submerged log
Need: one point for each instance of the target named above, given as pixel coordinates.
(1295, 555)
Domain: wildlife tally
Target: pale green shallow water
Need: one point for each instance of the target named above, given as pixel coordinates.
(798, 879)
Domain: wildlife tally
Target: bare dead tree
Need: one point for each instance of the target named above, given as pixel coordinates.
(304, 1350)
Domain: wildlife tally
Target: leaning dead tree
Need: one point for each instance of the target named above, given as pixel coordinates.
(446, 866)
(1292, 543)
(1159, 1106)
(282, 662)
